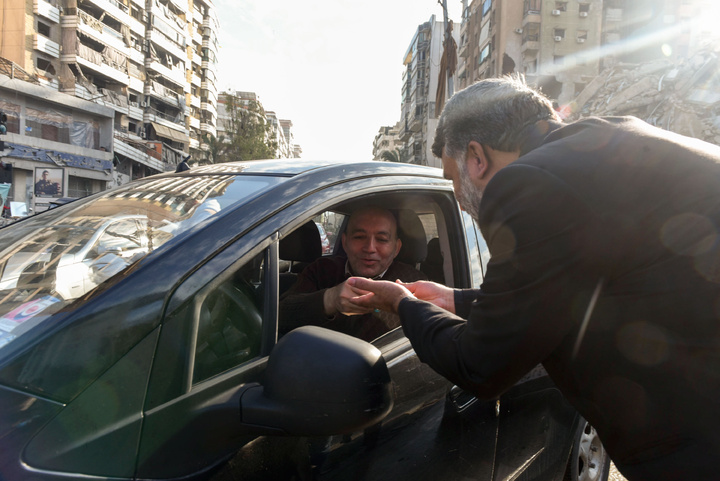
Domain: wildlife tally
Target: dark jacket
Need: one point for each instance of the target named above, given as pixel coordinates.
(302, 304)
(605, 267)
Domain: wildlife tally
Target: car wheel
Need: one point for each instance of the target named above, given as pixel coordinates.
(588, 460)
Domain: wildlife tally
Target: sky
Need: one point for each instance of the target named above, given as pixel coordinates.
(334, 68)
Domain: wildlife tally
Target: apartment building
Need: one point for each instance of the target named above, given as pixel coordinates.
(152, 62)
(643, 30)
(547, 40)
(419, 86)
(56, 145)
(387, 140)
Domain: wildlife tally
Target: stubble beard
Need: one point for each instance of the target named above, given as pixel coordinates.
(469, 197)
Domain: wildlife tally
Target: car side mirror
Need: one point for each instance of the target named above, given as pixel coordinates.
(319, 383)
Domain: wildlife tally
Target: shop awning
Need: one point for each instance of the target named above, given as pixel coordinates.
(169, 133)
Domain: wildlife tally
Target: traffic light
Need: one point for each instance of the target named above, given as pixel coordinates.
(3, 129)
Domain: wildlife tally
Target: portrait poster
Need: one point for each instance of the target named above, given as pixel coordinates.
(49, 182)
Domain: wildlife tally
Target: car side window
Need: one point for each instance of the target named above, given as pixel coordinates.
(474, 250)
(229, 321)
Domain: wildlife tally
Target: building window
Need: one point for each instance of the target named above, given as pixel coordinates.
(562, 6)
(44, 66)
(487, 4)
(79, 186)
(559, 32)
(584, 8)
(484, 54)
(43, 29)
(532, 7)
(582, 36)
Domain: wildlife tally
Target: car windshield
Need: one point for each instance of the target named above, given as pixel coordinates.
(48, 260)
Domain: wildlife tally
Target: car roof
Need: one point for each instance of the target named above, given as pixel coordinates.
(291, 167)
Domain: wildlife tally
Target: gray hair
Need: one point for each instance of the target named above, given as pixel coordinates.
(493, 112)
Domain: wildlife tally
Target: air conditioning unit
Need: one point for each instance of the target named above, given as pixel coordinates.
(583, 14)
(581, 40)
(556, 12)
(518, 30)
(558, 39)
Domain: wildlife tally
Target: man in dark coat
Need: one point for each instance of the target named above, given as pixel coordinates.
(320, 294)
(604, 237)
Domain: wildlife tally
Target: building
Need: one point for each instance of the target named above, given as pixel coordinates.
(153, 63)
(418, 119)
(548, 41)
(388, 140)
(56, 144)
(644, 30)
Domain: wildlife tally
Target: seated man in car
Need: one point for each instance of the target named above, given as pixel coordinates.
(320, 294)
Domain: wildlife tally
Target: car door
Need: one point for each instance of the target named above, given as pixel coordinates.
(214, 341)
(535, 422)
(192, 419)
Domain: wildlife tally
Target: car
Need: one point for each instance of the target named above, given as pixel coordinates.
(60, 201)
(324, 240)
(170, 366)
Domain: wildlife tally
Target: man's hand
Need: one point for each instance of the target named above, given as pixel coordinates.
(383, 295)
(338, 300)
(438, 294)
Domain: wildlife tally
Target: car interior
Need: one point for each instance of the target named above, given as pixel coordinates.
(229, 312)
(420, 227)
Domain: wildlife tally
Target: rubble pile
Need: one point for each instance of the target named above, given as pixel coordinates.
(682, 97)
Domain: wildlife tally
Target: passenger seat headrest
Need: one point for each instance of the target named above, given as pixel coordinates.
(302, 244)
(412, 234)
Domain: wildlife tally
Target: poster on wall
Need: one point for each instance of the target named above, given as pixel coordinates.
(48, 182)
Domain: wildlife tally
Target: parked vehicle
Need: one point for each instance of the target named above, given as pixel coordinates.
(170, 365)
(324, 241)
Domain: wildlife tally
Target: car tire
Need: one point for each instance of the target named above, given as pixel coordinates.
(588, 459)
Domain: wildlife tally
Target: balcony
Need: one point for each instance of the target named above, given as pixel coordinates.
(98, 31)
(405, 132)
(207, 128)
(181, 6)
(207, 43)
(208, 107)
(164, 94)
(105, 66)
(45, 45)
(530, 43)
(195, 80)
(195, 101)
(44, 9)
(136, 151)
(463, 50)
(120, 12)
(194, 123)
(176, 74)
(165, 43)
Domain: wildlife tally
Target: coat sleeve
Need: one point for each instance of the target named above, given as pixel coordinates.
(533, 296)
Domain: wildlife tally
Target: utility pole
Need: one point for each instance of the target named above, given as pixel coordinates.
(446, 24)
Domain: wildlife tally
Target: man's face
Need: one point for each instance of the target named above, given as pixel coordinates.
(45, 175)
(371, 242)
(467, 194)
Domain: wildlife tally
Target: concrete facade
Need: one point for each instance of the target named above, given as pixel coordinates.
(51, 131)
(153, 62)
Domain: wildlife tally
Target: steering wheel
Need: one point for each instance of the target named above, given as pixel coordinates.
(229, 331)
